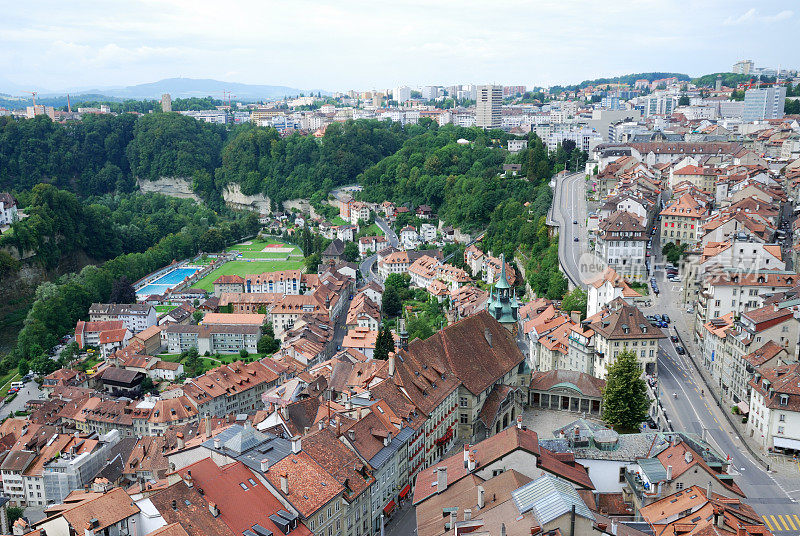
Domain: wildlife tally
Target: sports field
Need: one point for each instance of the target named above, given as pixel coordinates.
(266, 249)
(258, 256)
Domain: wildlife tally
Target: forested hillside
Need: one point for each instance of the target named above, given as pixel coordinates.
(134, 233)
(75, 181)
(301, 166)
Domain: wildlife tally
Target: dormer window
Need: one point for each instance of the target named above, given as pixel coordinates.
(784, 400)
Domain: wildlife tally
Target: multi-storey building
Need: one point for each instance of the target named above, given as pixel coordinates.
(681, 221)
(764, 103)
(620, 327)
(622, 243)
(487, 108)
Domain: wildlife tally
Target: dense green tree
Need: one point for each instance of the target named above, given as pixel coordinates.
(351, 252)
(384, 343)
(23, 367)
(625, 399)
(575, 301)
(122, 291)
(173, 145)
(391, 304)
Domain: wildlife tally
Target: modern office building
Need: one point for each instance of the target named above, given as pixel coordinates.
(487, 111)
(764, 103)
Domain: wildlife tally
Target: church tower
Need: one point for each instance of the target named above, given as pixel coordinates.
(503, 305)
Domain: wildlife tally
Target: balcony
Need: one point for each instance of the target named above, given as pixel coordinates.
(645, 493)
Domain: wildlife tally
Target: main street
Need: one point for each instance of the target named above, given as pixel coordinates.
(683, 393)
(772, 495)
(569, 205)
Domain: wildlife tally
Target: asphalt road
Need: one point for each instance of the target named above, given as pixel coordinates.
(368, 266)
(569, 204)
(29, 392)
(772, 496)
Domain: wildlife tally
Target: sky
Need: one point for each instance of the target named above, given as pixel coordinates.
(355, 44)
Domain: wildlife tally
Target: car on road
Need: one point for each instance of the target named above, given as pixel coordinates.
(13, 390)
(575, 222)
(575, 239)
(666, 319)
(673, 338)
(680, 350)
(662, 324)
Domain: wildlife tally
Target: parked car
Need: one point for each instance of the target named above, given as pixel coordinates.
(666, 319)
(575, 222)
(673, 338)
(663, 324)
(680, 350)
(576, 239)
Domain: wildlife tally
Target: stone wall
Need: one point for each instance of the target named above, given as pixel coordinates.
(172, 186)
(303, 205)
(234, 198)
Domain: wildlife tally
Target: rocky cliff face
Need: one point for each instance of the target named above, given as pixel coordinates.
(172, 186)
(302, 205)
(234, 198)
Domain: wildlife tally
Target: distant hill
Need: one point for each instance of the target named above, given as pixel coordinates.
(626, 79)
(196, 87)
(728, 79)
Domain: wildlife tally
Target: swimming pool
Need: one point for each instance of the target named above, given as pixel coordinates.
(167, 281)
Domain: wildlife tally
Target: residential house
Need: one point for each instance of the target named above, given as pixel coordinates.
(136, 317)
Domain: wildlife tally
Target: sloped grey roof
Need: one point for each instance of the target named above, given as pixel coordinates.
(549, 497)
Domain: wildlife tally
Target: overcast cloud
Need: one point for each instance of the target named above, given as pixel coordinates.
(337, 45)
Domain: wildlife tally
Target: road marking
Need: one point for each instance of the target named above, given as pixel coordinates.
(769, 525)
(775, 522)
(789, 519)
(797, 519)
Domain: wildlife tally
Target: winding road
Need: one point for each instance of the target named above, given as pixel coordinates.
(569, 204)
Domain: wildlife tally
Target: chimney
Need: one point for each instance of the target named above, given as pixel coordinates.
(708, 491)
(471, 463)
(296, 446)
(669, 473)
(481, 493)
(502, 529)
(575, 316)
(284, 413)
(181, 442)
(89, 530)
(264, 465)
(387, 440)
(467, 514)
(351, 434)
(208, 426)
(466, 453)
(453, 518)
(212, 507)
(488, 335)
(284, 483)
(217, 443)
(391, 364)
(441, 479)
(338, 426)
(519, 422)
(188, 479)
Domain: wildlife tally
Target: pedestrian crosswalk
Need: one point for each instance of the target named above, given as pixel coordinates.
(782, 523)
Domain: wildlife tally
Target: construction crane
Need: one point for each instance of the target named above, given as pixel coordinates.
(34, 93)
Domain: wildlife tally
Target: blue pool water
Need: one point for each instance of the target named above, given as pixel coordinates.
(166, 282)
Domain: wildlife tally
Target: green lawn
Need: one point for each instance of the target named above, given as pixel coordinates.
(212, 362)
(165, 308)
(373, 230)
(339, 221)
(243, 268)
(7, 379)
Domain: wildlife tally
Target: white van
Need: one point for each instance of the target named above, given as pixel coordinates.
(18, 385)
